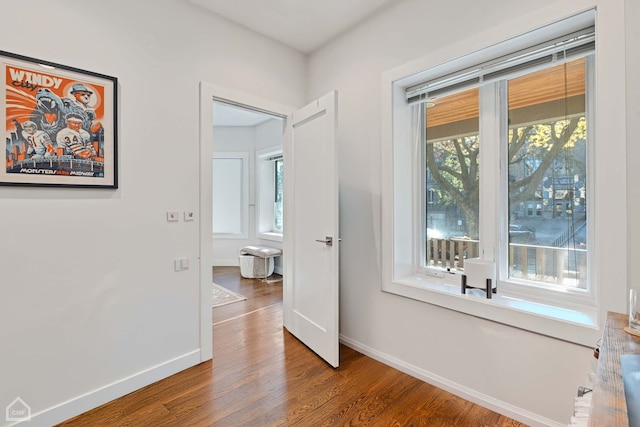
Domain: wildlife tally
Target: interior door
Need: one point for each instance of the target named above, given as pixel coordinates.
(311, 246)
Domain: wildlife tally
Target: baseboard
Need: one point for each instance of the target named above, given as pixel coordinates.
(503, 408)
(93, 399)
(234, 262)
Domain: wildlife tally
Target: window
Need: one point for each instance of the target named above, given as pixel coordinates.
(230, 195)
(270, 175)
(491, 158)
(278, 175)
(452, 146)
(545, 144)
(547, 167)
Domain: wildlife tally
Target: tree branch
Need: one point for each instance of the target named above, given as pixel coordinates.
(531, 182)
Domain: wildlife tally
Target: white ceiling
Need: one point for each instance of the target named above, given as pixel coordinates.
(229, 115)
(304, 25)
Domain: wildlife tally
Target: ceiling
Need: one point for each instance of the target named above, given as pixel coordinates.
(229, 115)
(304, 25)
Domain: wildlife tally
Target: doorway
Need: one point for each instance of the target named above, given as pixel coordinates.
(225, 113)
(247, 181)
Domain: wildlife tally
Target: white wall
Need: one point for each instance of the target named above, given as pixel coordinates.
(632, 14)
(90, 307)
(270, 134)
(524, 375)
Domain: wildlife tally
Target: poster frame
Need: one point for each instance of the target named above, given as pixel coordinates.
(93, 162)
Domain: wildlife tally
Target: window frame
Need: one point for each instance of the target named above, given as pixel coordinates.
(275, 191)
(266, 190)
(575, 320)
(539, 291)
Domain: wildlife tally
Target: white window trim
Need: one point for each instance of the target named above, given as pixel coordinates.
(579, 324)
(265, 194)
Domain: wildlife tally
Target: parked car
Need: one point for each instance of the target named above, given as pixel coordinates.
(519, 233)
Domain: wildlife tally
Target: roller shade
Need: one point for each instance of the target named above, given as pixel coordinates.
(552, 52)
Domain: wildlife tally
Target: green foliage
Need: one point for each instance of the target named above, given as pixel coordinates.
(454, 163)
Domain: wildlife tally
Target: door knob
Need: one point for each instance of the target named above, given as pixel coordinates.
(327, 241)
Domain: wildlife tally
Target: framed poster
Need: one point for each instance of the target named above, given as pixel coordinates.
(59, 125)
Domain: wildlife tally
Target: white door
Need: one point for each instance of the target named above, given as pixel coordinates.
(311, 246)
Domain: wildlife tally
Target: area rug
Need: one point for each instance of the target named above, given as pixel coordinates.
(223, 296)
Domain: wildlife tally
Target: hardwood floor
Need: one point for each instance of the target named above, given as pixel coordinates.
(262, 376)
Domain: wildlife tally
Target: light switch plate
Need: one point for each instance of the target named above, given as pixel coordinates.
(189, 216)
(173, 216)
(180, 264)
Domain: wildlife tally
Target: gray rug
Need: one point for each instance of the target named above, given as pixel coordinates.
(223, 296)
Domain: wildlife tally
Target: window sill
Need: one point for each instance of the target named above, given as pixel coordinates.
(270, 235)
(579, 326)
(229, 236)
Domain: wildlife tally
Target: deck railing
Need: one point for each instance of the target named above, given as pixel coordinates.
(561, 266)
(451, 253)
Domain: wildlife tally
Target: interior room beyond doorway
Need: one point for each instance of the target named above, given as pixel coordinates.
(248, 176)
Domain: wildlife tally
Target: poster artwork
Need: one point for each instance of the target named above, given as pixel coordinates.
(53, 124)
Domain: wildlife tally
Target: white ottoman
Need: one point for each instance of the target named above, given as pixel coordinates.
(257, 261)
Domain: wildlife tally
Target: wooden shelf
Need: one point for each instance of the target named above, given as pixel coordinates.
(608, 405)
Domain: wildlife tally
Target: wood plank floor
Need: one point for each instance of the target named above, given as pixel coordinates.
(262, 376)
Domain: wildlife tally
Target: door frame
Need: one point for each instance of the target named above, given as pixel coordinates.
(208, 93)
